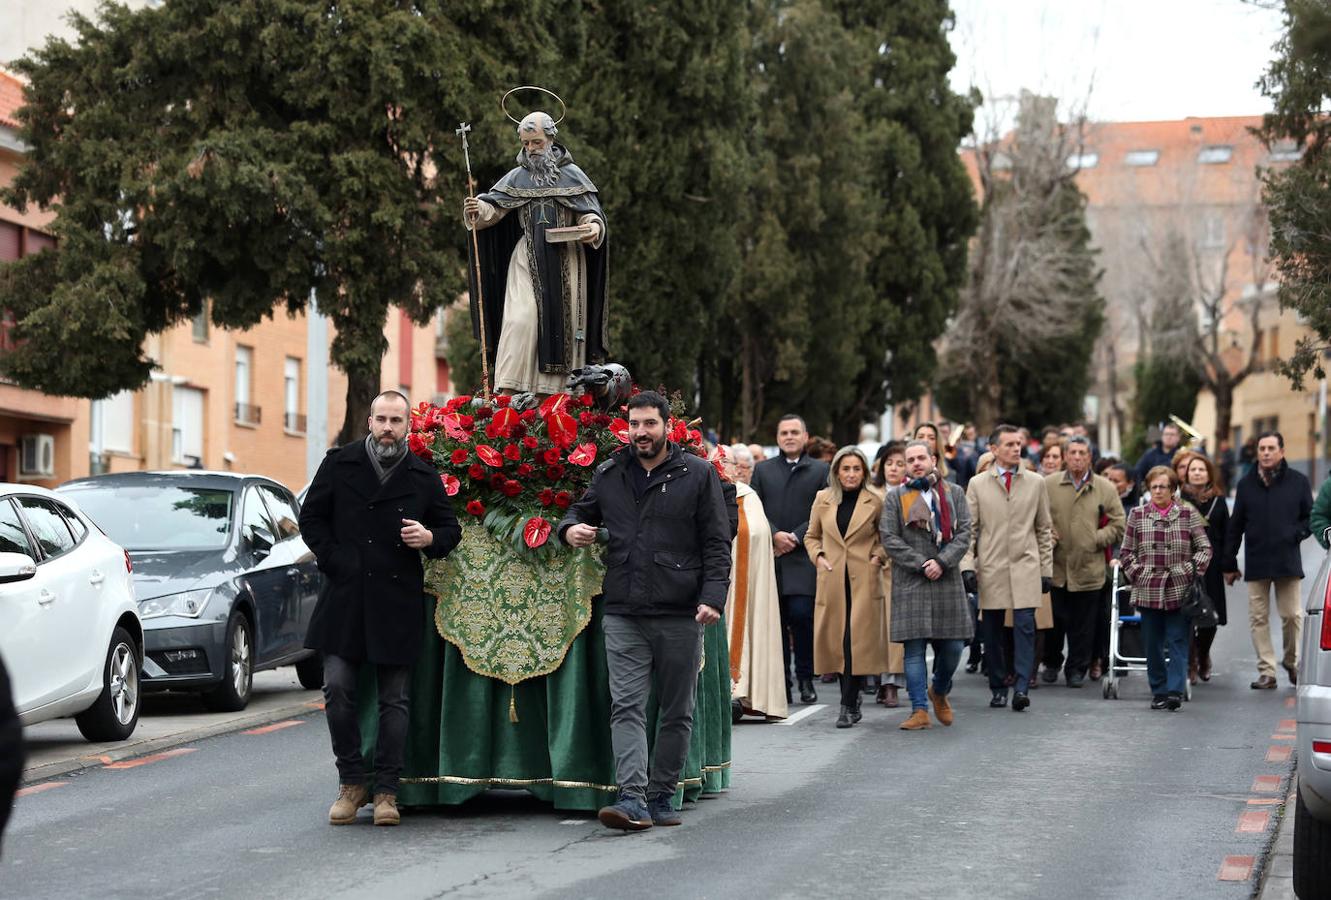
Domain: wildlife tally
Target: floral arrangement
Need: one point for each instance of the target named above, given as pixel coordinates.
(516, 471)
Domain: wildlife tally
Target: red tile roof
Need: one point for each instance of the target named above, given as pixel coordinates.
(11, 98)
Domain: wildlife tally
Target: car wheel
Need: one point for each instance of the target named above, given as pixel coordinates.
(233, 694)
(1312, 864)
(115, 713)
(310, 671)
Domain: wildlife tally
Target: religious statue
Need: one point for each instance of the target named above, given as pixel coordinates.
(539, 267)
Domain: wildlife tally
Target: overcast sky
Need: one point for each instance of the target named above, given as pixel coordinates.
(1140, 59)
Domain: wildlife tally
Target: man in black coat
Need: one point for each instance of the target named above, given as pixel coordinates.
(667, 572)
(371, 511)
(786, 485)
(1272, 508)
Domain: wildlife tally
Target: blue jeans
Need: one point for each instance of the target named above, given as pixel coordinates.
(947, 654)
(1166, 632)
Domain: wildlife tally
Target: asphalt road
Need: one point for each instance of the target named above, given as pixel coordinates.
(1077, 797)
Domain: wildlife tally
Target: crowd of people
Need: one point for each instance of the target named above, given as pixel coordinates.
(1008, 545)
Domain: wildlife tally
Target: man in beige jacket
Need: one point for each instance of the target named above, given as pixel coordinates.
(1088, 520)
(1010, 562)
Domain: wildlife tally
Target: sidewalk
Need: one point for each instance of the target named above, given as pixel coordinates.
(167, 720)
(1278, 873)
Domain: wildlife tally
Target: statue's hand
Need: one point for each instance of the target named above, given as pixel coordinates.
(471, 210)
(594, 235)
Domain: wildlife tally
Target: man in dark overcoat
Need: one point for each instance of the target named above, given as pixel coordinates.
(787, 485)
(371, 511)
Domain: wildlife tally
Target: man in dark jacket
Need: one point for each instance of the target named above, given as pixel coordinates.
(667, 574)
(371, 511)
(11, 748)
(1162, 454)
(1272, 507)
(786, 485)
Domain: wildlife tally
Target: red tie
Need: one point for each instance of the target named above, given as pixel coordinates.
(1007, 482)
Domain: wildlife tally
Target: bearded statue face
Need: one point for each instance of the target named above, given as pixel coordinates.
(537, 134)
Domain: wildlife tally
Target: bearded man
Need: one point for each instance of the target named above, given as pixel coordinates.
(544, 294)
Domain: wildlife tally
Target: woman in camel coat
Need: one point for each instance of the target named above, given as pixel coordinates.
(849, 625)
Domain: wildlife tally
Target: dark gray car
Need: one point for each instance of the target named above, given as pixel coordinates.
(225, 584)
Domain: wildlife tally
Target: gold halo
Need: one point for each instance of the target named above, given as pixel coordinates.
(563, 108)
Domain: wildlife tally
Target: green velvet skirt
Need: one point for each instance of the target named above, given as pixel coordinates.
(550, 735)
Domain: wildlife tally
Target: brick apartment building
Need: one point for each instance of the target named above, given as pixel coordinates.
(265, 400)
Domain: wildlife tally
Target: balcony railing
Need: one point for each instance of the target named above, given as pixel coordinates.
(247, 414)
(294, 422)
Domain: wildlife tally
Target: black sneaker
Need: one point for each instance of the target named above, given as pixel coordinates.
(1048, 675)
(1020, 702)
(1076, 681)
(628, 814)
(1159, 701)
(1174, 702)
(662, 812)
(998, 700)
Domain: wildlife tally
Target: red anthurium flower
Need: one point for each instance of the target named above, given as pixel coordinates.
(476, 471)
(476, 508)
(530, 442)
(584, 456)
(555, 403)
(563, 499)
(503, 400)
(490, 456)
(550, 457)
(513, 452)
(511, 488)
(620, 429)
(505, 420)
(459, 456)
(546, 497)
(453, 427)
(524, 470)
(451, 485)
(554, 473)
(562, 428)
(536, 532)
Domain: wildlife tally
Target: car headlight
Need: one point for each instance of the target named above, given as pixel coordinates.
(189, 603)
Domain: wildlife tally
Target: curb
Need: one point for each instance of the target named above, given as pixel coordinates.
(1278, 868)
(152, 745)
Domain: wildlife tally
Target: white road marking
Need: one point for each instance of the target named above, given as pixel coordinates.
(802, 714)
(575, 822)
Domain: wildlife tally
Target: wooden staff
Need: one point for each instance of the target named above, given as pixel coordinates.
(461, 131)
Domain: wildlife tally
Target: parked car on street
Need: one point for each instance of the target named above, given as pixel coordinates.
(1312, 814)
(70, 633)
(226, 585)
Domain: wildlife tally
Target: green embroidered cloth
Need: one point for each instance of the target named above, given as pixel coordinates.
(511, 617)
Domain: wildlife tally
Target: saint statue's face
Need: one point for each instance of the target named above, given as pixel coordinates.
(534, 142)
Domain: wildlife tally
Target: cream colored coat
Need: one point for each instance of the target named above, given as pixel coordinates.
(1011, 539)
(753, 615)
(848, 555)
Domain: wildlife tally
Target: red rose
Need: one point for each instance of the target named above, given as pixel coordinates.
(467, 422)
(551, 457)
(563, 499)
(527, 415)
(419, 444)
(503, 400)
(511, 488)
(476, 508)
(513, 452)
(459, 456)
(546, 497)
(530, 442)
(524, 470)
(519, 430)
(484, 412)
(587, 400)
(586, 418)
(554, 473)
(497, 481)
(601, 419)
(492, 431)
(476, 471)
(461, 401)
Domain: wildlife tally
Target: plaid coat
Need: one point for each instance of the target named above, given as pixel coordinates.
(922, 608)
(1162, 553)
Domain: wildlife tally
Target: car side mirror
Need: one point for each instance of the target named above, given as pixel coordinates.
(16, 567)
(261, 541)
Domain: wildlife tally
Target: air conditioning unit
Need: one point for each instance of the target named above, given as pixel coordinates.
(36, 457)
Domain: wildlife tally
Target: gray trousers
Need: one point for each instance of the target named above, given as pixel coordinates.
(642, 652)
(340, 681)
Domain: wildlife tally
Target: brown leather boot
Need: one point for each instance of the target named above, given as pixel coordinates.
(942, 709)
(385, 810)
(890, 698)
(350, 798)
(918, 721)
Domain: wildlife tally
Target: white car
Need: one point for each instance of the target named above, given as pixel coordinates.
(69, 625)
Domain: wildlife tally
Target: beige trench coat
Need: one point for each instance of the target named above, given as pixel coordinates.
(868, 623)
(1011, 539)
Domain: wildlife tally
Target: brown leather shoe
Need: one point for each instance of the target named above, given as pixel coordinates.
(1097, 670)
(918, 721)
(1264, 683)
(942, 709)
(1192, 673)
(1293, 673)
(1204, 668)
(890, 700)
(385, 810)
(350, 798)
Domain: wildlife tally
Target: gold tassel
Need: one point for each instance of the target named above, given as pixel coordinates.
(512, 705)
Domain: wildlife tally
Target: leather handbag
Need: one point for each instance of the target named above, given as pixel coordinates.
(1198, 607)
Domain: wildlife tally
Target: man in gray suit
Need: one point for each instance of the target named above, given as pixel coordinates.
(786, 485)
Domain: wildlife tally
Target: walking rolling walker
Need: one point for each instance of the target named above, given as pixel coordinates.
(1123, 615)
